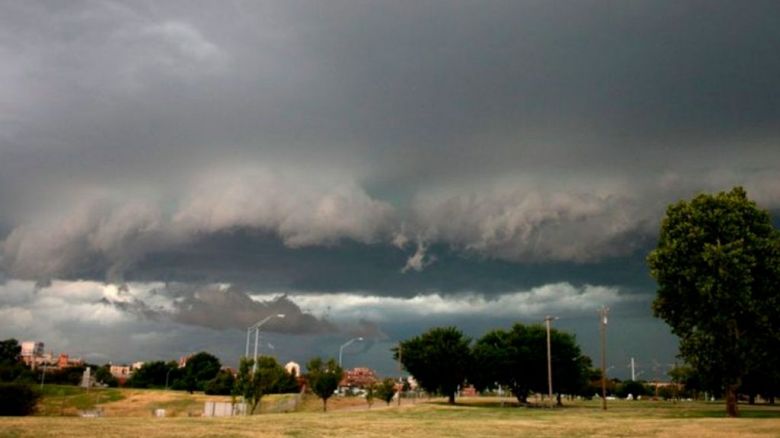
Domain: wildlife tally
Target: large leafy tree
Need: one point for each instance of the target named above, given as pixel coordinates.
(199, 370)
(439, 359)
(517, 359)
(323, 378)
(717, 265)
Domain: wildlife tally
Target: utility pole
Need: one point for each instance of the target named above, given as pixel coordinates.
(547, 320)
(603, 325)
(400, 372)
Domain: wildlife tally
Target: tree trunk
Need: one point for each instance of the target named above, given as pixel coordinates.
(731, 401)
(559, 403)
(751, 399)
(452, 398)
(324, 405)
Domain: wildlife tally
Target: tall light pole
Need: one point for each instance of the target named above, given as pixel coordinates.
(166, 377)
(548, 319)
(248, 335)
(345, 345)
(257, 336)
(603, 326)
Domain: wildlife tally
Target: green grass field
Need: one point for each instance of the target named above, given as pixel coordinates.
(472, 417)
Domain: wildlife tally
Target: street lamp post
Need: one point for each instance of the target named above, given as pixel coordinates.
(603, 325)
(257, 336)
(248, 335)
(346, 344)
(43, 376)
(547, 321)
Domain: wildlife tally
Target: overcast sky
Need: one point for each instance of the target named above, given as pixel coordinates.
(172, 172)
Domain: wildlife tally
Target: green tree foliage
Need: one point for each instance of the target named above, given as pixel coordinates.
(763, 379)
(221, 385)
(200, 368)
(632, 387)
(439, 360)
(517, 359)
(11, 369)
(717, 266)
(17, 399)
(269, 378)
(65, 376)
(153, 374)
(9, 352)
(323, 378)
(103, 375)
(385, 390)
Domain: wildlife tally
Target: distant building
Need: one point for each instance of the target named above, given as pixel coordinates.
(121, 372)
(33, 356)
(293, 368)
(32, 353)
(64, 361)
(32, 348)
(360, 377)
(183, 360)
(468, 391)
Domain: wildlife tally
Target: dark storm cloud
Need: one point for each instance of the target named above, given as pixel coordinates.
(223, 308)
(544, 135)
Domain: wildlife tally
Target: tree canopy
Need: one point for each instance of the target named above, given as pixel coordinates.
(717, 265)
(323, 378)
(439, 359)
(199, 370)
(154, 374)
(9, 352)
(517, 359)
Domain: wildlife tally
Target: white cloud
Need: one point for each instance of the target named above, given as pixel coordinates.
(419, 260)
(554, 298)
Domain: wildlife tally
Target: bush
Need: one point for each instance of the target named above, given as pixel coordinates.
(220, 385)
(17, 399)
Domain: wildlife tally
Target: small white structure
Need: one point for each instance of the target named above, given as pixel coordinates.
(223, 409)
(86, 378)
(32, 348)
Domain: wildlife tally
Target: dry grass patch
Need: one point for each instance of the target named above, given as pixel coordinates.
(476, 417)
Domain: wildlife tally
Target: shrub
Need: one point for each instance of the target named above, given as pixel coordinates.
(17, 399)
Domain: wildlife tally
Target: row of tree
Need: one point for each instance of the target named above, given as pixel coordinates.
(443, 359)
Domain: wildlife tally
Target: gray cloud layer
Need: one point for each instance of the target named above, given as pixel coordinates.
(527, 132)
